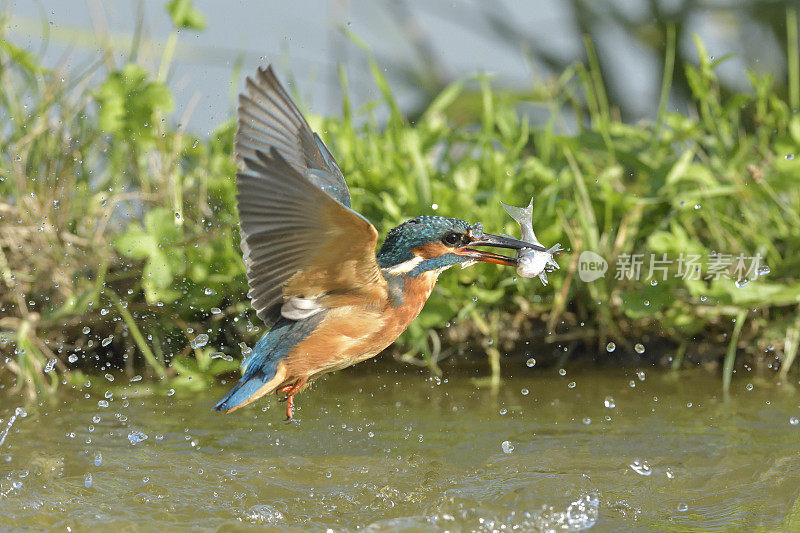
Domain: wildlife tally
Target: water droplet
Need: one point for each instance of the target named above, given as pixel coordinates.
(653, 283)
(109, 377)
(610, 347)
(640, 374)
(221, 355)
(697, 206)
(135, 437)
(474, 298)
(562, 372)
(586, 420)
(86, 330)
(216, 310)
(609, 402)
(571, 385)
(639, 348)
(641, 468)
(208, 292)
(50, 365)
(98, 459)
(530, 362)
(789, 156)
(507, 446)
(107, 340)
(199, 341)
(741, 282)
(87, 480)
(170, 392)
(794, 420)
(524, 392)
(72, 358)
(669, 473)
(682, 507)
(763, 270)
(703, 298)
(749, 387)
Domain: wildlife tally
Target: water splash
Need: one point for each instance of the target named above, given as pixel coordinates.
(580, 515)
(263, 514)
(641, 468)
(19, 412)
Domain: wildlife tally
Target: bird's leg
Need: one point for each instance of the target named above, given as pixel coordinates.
(289, 408)
(290, 391)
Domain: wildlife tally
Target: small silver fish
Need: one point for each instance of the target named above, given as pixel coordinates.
(530, 262)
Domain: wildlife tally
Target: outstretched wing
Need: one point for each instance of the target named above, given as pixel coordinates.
(269, 118)
(301, 241)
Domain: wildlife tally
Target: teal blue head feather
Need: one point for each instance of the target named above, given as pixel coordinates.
(401, 242)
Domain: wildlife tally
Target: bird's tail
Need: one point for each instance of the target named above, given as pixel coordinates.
(250, 388)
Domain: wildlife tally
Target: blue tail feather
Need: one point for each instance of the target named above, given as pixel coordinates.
(262, 364)
(244, 389)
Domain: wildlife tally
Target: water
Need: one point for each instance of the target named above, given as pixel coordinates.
(401, 451)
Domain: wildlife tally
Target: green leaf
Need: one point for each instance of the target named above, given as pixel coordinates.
(157, 271)
(135, 243)
(129, 104)
(160, 223)
(185, 15)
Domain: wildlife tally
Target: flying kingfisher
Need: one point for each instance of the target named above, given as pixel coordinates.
(311, 264)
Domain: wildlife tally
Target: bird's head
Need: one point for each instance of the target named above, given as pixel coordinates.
(433, 243)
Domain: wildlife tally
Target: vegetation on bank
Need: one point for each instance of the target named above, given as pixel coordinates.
(119, 247)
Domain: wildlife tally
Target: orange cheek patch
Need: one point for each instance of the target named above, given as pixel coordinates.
(431, 250)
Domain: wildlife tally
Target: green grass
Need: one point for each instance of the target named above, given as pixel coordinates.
(118, 230)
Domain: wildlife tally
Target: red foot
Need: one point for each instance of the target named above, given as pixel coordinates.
(290, 391)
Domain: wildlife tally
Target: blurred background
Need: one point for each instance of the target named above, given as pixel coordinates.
(421, 45)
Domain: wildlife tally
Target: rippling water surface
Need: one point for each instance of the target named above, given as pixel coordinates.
(605, 451)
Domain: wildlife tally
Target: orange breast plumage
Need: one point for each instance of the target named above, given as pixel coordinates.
(352, 334)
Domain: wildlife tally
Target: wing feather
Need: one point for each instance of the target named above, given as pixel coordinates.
(269, 118)
(300, 239)
(301, 242)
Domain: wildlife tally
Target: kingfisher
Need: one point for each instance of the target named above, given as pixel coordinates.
(312, 269)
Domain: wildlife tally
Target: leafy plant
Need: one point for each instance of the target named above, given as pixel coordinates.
(119, 246)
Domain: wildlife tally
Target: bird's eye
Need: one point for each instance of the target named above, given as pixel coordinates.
(452, 239)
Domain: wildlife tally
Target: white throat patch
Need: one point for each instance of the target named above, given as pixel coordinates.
(405, 267)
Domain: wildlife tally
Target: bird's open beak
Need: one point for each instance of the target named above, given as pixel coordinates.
(496, 241)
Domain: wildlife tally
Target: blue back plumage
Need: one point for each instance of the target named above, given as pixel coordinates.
(262, 363)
